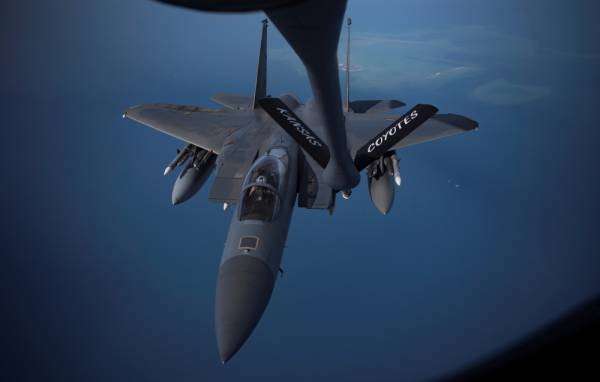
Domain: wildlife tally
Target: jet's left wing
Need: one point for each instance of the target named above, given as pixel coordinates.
(205, 128)
(360, 128)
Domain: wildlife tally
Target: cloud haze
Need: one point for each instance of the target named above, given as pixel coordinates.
(429, 59)
(502, 92)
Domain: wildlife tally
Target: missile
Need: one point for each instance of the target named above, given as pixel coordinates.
(396, 168)
(180, 158)
(193, 176)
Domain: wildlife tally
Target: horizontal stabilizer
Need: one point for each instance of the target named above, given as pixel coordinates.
(393, 134)
(375, 106)
(294, 126)
(458, 121)
(233, 101)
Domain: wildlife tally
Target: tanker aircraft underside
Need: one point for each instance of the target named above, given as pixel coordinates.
(271, 154)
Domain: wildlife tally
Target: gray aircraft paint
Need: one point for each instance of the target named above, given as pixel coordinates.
(191, 179)
(241, 135)
(381, 192)
(243, 287)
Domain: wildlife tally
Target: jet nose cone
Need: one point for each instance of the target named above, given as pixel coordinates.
(243, 291)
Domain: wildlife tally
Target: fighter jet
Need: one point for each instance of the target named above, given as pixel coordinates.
(270, 154)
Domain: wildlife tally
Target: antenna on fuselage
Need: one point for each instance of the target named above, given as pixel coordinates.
(261, 75)
(347, 100)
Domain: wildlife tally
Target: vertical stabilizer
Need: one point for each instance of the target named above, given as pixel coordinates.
(261, 75)
(347, 100)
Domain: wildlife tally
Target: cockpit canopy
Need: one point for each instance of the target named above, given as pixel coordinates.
(259, 203)
(266, 171)
(262, 189)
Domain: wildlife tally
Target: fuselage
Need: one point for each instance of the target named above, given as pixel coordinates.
(255, 242)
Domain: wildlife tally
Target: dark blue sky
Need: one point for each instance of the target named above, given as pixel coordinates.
(493, 233)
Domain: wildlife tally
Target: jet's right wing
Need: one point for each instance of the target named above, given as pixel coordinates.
(205, 128)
